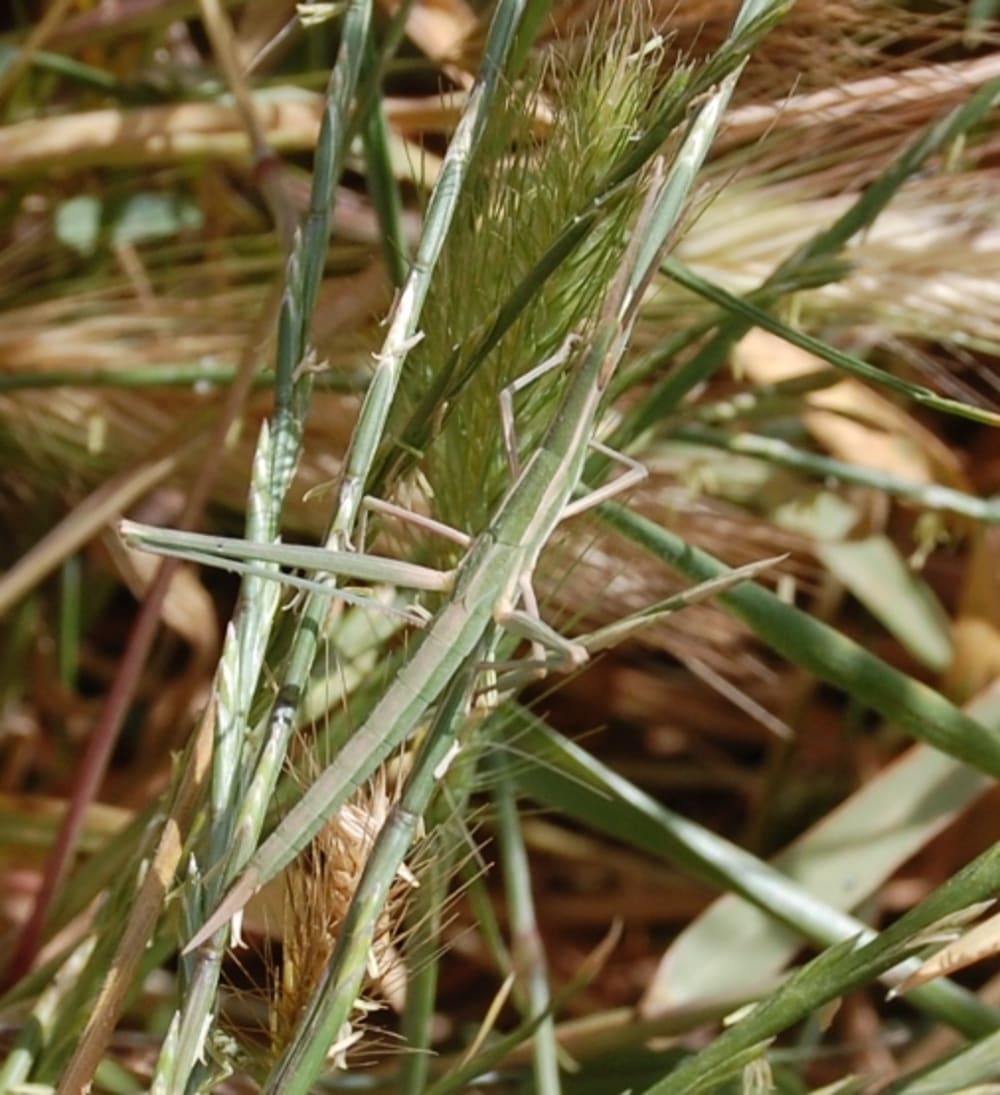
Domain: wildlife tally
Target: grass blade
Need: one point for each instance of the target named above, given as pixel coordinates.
(567, 778)
(834, 973)
(806, 642)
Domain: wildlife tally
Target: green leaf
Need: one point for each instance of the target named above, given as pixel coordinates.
(873, 570)
(152, 216)
(838, 970)
(81, 222)
(977, 1064)
(78, 223)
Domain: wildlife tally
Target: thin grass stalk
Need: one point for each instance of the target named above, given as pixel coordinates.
(453, 854)
(834, 973)
(100, 507)
(531, 25)
(424, 921)
(37, 1029)
(781, 454)
(980, 14)
(236, 683)
(335, 995)
(462, 1076)
(765, 401)
(665, 398)
(94, 877)
(526, 942)
(649, 365)
(502, 1046)
(87, 76)
(275, 461)
(457, 855)
(306, 264)
(43, 30)
(78, 991)
(182, 375)
(385, 197)
(70, 624)
(331, 150)
(144, 910)
(570, 780)
(750, 311)
(91, 771)
(975, 1064)
(476, 887)
(382, 182)
(269, 180)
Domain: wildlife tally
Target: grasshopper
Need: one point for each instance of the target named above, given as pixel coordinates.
(492, 580)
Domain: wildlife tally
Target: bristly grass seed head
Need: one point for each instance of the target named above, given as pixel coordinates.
(539, 166)
(319, 894)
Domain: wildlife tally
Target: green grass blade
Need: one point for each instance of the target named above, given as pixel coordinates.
(875, 572)
(848, 363)
(424, 920)
(973, 1065)
(527, 949)
(382, 182)
(842, 859)
(36, 1031)
(566, 778)
(824, 245)
(783, 455)
(820, 649)
(182, 375)
(979, 16)
(837, 971)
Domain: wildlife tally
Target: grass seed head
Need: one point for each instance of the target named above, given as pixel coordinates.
(319, 893)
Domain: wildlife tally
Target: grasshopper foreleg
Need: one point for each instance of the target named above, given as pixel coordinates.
(554, 361)
(370, 504)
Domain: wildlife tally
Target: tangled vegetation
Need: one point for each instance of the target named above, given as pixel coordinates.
(501, 589)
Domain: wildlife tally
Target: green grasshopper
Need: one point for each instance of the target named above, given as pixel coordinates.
(493, 578)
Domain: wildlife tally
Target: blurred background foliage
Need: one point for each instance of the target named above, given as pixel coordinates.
(155, 156)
